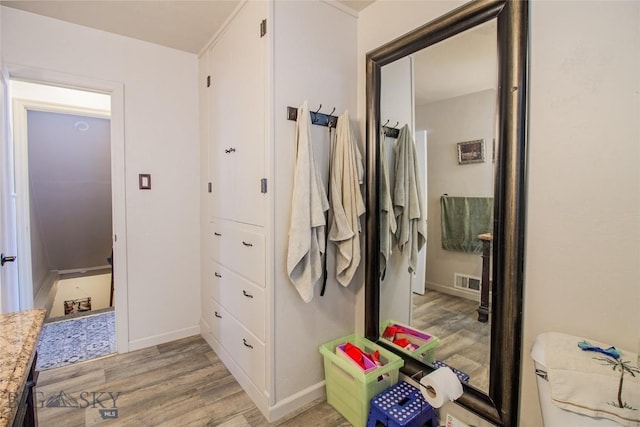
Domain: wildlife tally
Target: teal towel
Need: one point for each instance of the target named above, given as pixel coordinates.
(462, 220)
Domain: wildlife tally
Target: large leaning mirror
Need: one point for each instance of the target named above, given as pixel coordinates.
(456, 88)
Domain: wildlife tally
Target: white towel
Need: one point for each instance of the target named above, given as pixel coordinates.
(587, 383)
(407, 199)
(346, 201)
(308, 204)
(388, 224)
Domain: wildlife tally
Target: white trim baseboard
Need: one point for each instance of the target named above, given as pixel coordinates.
(291, 404)
(46, 294)
(456, 292)
(85, 270)
(162, 338)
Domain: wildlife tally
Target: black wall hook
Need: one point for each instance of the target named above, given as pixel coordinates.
(314, 119)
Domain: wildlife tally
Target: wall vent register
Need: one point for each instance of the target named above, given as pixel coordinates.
(464, 281)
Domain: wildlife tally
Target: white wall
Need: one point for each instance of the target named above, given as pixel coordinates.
(463, 118)
(583, 227)
(582, 272)
(161, 138)
(315, 60)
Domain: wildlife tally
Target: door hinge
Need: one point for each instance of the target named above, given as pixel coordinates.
(263, 28)
(209, 187)
(263, 185)
(208, 81)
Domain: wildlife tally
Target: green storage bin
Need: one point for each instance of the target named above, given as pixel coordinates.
(349, 389)
(425, 353)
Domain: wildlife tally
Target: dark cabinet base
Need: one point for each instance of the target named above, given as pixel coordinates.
(26, 414)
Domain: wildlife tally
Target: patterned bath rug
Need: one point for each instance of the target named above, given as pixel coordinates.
(76, 340)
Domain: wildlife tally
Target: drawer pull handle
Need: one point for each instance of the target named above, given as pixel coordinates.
(246, 294)
(217, 315)
(246, 344)
(230, 150)
(217, 234)
(247, 244)
(217, 274)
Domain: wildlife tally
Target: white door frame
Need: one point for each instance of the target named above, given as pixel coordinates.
(419, 278)
(118, 194)
(9, 299)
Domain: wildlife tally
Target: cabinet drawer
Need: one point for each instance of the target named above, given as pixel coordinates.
(244, 300)
(241, 251)
(245, 349)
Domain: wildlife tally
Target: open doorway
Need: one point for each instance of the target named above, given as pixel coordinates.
(65, 144)
(65, 212)
(70, 202)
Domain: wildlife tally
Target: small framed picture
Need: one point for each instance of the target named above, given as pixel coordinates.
(471, 152)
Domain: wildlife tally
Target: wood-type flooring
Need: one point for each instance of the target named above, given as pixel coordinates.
(181, 383)
(464, 342)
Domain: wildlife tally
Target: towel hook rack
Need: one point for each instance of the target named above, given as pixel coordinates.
(391, 131)
(317, 118)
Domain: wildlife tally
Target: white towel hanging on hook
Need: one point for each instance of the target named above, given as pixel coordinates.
(308, 204)
(346, 201)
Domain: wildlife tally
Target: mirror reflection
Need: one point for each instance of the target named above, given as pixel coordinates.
(444, 98)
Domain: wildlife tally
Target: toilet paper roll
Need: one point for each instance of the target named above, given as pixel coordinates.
(440, 386)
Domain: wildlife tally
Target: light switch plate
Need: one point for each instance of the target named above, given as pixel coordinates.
(144, 181)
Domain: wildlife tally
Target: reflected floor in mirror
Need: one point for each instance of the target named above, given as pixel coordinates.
(464, 342)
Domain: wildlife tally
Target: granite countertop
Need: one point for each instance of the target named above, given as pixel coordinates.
(19, 334)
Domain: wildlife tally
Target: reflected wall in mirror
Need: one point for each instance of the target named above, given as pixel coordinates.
(446, 94)
(498, 402)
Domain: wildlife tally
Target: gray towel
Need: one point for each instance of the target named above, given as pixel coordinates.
(345, 201)
(308, 204)
(407, 199)
(388, 224)
(462, 219)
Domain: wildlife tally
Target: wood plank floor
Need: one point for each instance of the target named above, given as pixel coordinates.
(464, 342)
(181, 383)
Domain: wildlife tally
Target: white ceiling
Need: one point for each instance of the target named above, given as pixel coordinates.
(183, 24)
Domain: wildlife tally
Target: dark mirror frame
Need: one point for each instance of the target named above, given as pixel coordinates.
(500, 405)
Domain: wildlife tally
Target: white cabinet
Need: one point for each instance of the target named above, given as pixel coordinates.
(236, 95)
(234, 270)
